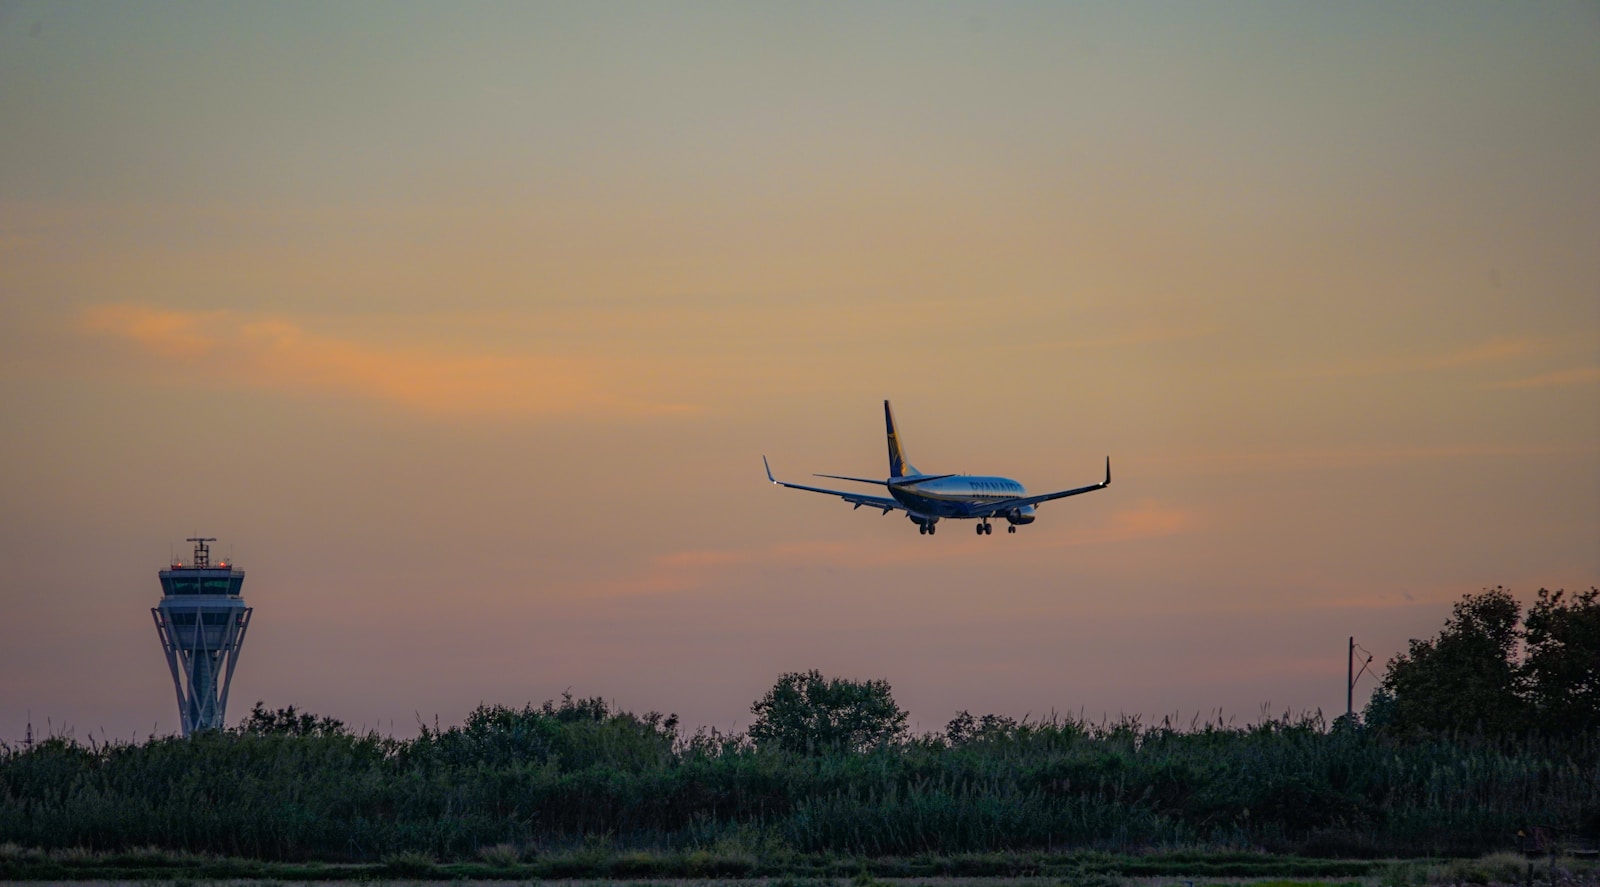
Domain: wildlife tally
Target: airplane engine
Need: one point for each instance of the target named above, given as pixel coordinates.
(1023, 515)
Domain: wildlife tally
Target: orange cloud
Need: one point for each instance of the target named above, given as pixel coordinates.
(1136, 337)
(222, 348)
(1579, 376)
(1487, 352)
(688, 570)
(1347, 457)
(1146, 520)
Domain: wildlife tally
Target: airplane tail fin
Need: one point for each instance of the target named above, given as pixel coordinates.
(898, 465)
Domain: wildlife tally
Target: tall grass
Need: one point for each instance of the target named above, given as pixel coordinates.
(514, 783)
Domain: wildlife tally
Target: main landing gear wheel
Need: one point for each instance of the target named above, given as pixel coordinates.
(1011, 529)
(922, 529)
(985, 530)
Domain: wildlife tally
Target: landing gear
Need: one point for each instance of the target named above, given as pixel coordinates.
(1011, 529)
(922, 529)
(984, 529)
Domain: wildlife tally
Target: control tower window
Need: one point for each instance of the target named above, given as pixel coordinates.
(205, 618)
(202, 585)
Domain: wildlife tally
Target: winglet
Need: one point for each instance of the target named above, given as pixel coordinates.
(1106, 484)
(769, 470)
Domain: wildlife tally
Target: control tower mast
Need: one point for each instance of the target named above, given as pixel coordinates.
(201, 621)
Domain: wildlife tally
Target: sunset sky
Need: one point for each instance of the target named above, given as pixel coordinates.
(465, 327)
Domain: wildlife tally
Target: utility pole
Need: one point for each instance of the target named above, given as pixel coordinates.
(1350, 680)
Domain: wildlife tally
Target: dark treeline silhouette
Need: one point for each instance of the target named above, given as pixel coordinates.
(829, 768)
(1492, 671)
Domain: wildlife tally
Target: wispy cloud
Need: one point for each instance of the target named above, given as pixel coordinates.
(1493, 351)
(698, 568)
(1578, 376)
(1149, 336)
(275, 354)
(1145, 520)
(1348, 457)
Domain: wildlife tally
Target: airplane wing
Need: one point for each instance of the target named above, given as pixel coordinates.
(1001, 507)
(884, 503)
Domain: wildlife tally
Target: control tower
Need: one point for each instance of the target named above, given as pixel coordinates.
(201, 621)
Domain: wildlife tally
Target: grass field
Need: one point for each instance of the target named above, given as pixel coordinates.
(1189, 869)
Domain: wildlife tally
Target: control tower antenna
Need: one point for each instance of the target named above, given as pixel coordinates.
(202, 553)
(201, 621)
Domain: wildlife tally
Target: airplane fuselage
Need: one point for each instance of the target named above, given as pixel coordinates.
(958, 496)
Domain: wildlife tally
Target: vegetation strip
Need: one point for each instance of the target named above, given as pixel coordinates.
(84, 866)
(829, 771)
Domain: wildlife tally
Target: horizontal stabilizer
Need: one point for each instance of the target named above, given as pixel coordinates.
(919, 479)
(883, 503)
(859, 480)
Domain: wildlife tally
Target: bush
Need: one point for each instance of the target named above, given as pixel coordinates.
(598, 785)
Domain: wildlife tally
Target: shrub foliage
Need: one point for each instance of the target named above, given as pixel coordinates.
(576, 774)
(1464, 745)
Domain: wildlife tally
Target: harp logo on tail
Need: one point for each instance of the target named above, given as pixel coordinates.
(898, 465)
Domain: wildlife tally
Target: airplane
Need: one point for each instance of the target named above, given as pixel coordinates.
(929, 498)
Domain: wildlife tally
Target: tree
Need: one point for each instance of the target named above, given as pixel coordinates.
(1561, 670)
(288, 722)
(1465, 679)
(964, 728)
(807, 714)
(575, 735)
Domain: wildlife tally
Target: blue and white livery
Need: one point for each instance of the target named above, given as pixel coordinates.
(929, 498)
